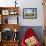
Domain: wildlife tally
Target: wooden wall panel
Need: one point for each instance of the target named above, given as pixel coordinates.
(44, 6)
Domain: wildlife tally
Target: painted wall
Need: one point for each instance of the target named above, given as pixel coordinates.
(32, 4)
(27, 4)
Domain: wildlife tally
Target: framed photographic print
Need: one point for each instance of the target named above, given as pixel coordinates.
(5, 12)
(29, 13)
(12, 12)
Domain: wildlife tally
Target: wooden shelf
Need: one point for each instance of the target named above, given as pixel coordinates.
(3, 8)
(11, 26)
(9, 9)
(9, 43)
(4, 12)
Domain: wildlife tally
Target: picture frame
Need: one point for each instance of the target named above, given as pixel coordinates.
(5, 12)
(12, 12)
(29, 13)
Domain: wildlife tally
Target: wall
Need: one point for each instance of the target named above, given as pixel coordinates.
(32, 4)
(27, 4)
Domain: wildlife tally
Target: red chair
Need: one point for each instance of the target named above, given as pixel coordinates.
(29, 33)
